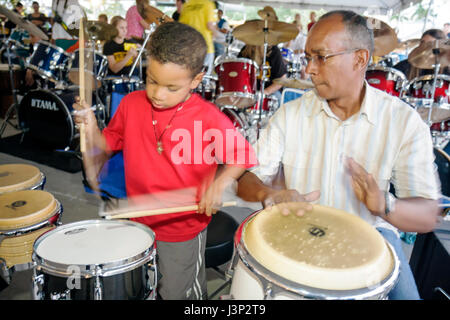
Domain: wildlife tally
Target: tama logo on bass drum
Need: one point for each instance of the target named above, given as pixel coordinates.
(44, 104)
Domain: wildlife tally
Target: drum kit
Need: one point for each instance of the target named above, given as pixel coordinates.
(234, 87)
(428, 94)
(45, 114)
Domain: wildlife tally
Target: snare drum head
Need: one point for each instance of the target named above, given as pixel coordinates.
(326, 248)
(14, 177)
(25, 208)
(94, 242)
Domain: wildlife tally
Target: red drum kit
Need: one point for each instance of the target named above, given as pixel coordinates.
(234, 86)
(427, 94)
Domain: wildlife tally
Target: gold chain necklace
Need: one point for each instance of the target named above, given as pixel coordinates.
(159, 146)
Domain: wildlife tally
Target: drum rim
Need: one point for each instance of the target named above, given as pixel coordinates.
(310, 292)
(66, 109)
(59, 49)
(232, 94)
(387, 69)
(21, 231)
(431, 77)
(234, 59)
(100, 269)
(40, 180)
(121, 79)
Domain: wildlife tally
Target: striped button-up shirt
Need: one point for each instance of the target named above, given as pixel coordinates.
(387, 137)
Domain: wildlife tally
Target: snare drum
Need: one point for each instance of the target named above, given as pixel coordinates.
(386, 79)
(236, 82)
(25, 215)
(50, 61)
(16, 177)
(96, 71)
(96, 260)
(119, 87)
(325, 254)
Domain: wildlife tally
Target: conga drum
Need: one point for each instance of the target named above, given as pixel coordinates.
(96, 260)
(325, 254)
(24, 216)
(16, 177)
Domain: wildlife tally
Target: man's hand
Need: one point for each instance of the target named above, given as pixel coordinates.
(290, 200)
(366, 188)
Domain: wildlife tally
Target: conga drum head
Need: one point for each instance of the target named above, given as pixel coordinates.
(25, 208)
(15, 177)
(326, 248)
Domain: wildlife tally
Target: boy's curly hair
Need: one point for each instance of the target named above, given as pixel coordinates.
(180, 44)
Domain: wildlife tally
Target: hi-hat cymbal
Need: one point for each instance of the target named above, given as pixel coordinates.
(408, 44)
(252, 32)
(425, 55)
(101, 30)
(23, 23)
(385, 38)
(153, 15)
(294, 83)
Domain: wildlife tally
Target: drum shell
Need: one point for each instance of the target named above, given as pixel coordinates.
(130, 285)
(133, 278)
(386, 79)
(50, 61)
(237, 79)
(420, 87)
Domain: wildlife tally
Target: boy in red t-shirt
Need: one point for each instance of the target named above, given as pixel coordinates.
(172, 139)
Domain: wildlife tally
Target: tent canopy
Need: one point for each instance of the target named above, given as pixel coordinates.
(372, 7)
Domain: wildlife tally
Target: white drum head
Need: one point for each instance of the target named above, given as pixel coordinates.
(326, 249)
(94, 242)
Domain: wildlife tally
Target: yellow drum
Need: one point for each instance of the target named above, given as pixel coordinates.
(16, 177)
(24, 216)
(325, 254)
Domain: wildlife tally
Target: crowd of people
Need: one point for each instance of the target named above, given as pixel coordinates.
(320, 140)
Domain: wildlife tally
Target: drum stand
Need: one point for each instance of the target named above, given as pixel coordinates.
(148, 33)
(14, 106)
(437, 66)
(260, 101)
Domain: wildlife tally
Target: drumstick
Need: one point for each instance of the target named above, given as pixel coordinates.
(82, 84)
(143, 213)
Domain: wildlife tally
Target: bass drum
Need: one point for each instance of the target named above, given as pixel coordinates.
(45, 117)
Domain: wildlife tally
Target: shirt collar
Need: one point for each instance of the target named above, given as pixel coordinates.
(367, 110)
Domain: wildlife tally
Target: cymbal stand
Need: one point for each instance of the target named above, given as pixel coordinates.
(15, 105)
(437, 66)
(263, 77)
(98, 102)
(148, 33)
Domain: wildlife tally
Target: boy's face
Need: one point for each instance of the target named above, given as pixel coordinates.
(169, 84)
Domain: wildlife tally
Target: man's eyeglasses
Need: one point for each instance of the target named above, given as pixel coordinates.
(323, 58)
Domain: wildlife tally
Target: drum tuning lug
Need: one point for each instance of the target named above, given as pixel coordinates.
(37, 283)
(60, 296)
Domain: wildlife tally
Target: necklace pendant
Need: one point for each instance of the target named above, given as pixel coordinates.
(159, 147)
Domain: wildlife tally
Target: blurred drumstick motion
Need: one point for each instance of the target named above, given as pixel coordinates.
(82, 85)
(143, 213)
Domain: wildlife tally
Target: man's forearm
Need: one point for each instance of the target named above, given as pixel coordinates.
(251, 188)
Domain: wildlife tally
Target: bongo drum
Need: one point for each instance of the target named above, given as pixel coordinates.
(16, 177)
(24, 216)
(325, 254)
(96, 260)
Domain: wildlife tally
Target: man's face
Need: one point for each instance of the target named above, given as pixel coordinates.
(336, 76)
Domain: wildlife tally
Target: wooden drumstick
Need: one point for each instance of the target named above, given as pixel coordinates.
(82, 84)
(154, 212)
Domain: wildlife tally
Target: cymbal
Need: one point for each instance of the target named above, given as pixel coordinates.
(408, 44)
(385, 38)
(23, 23)
(423, 56)
(152, 14)
(294, 83)
(252, 32)
(101, 30)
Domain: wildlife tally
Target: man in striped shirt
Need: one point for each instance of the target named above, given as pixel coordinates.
(342, 143)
